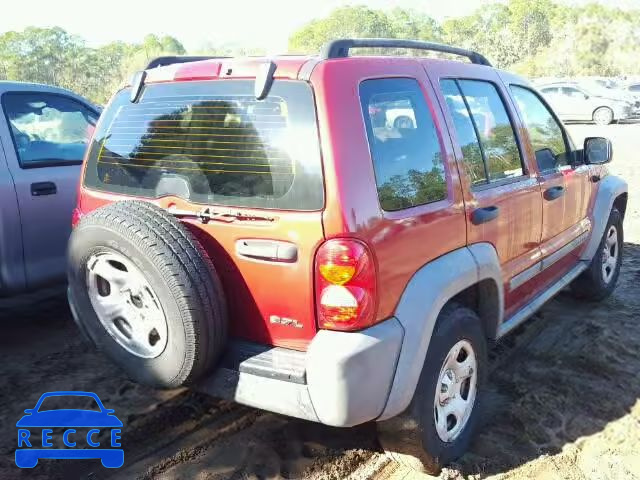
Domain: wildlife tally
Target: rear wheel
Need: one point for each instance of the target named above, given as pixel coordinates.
(146, 293)
(439, 424)
(603, 116)
(599, 280)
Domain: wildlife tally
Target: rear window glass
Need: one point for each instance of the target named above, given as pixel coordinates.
(212, 143)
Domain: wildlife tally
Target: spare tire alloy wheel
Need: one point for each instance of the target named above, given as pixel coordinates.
(456, 391)
(126, 305)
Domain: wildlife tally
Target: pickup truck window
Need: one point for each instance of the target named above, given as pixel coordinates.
(405, 149)
(545, 133)
(48, 129)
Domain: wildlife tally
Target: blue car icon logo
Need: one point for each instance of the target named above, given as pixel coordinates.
(32, 446)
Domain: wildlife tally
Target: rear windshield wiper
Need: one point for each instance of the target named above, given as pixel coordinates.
(227, 216)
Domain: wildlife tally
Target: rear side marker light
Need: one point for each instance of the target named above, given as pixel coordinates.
(345, 285)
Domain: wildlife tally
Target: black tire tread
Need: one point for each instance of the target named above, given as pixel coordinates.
(191, 253)
(401, 436)
(589, 285)
(194, 284)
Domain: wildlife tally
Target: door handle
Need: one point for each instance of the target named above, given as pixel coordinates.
(43, 188)
(553, 193)
(484, 215)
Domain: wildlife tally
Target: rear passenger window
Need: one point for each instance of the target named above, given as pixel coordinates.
(466, 133)
(477, 104)
(404, 144)
(497, 137)
(545, 133)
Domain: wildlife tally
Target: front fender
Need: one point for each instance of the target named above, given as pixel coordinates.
(427, 292)
(609, 188)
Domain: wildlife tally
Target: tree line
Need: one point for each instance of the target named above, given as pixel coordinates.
(531, 37)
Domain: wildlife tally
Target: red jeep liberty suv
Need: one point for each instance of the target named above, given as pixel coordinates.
(336, 238)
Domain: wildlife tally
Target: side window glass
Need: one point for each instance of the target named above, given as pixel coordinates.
(573, 93)
(48, 129)
(465, 132)
(545, 133)
(407, 158)
(497, 137)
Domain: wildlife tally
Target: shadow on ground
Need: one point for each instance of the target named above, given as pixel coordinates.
(572, 372)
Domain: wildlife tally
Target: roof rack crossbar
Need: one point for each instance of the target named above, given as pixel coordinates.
(170, 60)
(340, 48)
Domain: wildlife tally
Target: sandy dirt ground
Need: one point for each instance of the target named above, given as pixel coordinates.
(564, 399)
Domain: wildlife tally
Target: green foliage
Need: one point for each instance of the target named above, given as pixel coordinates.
(53, 56)
(532, 37)
(362, 22)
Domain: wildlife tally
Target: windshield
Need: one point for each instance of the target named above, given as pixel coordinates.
(212, 143)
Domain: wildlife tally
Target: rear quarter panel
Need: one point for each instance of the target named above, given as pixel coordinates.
(401, 241)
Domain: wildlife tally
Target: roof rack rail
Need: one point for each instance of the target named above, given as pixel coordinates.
(170, 60)
(340, 48)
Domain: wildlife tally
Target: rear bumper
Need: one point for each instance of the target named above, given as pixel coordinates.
(343, 379)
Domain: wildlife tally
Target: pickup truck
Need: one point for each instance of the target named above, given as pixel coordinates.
(43, 137)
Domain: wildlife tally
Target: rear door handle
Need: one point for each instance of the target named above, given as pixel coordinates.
(553, 193)
(484, 215)
(43, 188)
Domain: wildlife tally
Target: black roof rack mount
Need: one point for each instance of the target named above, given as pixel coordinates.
(170, 60)
(340, 48)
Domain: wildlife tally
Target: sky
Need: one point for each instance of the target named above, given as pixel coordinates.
(260, 23)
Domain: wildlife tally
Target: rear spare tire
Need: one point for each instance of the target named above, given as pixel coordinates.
(145, 291)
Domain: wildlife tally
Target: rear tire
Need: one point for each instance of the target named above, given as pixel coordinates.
(414, 438)
(157, 273)
(599, 280)
(603, 116)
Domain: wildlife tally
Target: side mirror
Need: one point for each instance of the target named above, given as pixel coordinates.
(597, 150)
(586, 97)
(29, 411)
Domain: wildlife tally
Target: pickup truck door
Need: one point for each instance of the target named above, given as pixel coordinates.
(11, 263)
(44, 136)
(576, 104)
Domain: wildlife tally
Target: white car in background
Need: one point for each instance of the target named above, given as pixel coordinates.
(578, 102)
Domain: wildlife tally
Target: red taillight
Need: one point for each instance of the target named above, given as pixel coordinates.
(345, 285)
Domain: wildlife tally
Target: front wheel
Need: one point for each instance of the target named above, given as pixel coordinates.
(598, 281)
(438, 426)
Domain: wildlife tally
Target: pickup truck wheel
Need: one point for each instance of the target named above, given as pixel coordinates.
(603, 116)
(599, 280)
(439, 424)
(146, 293)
